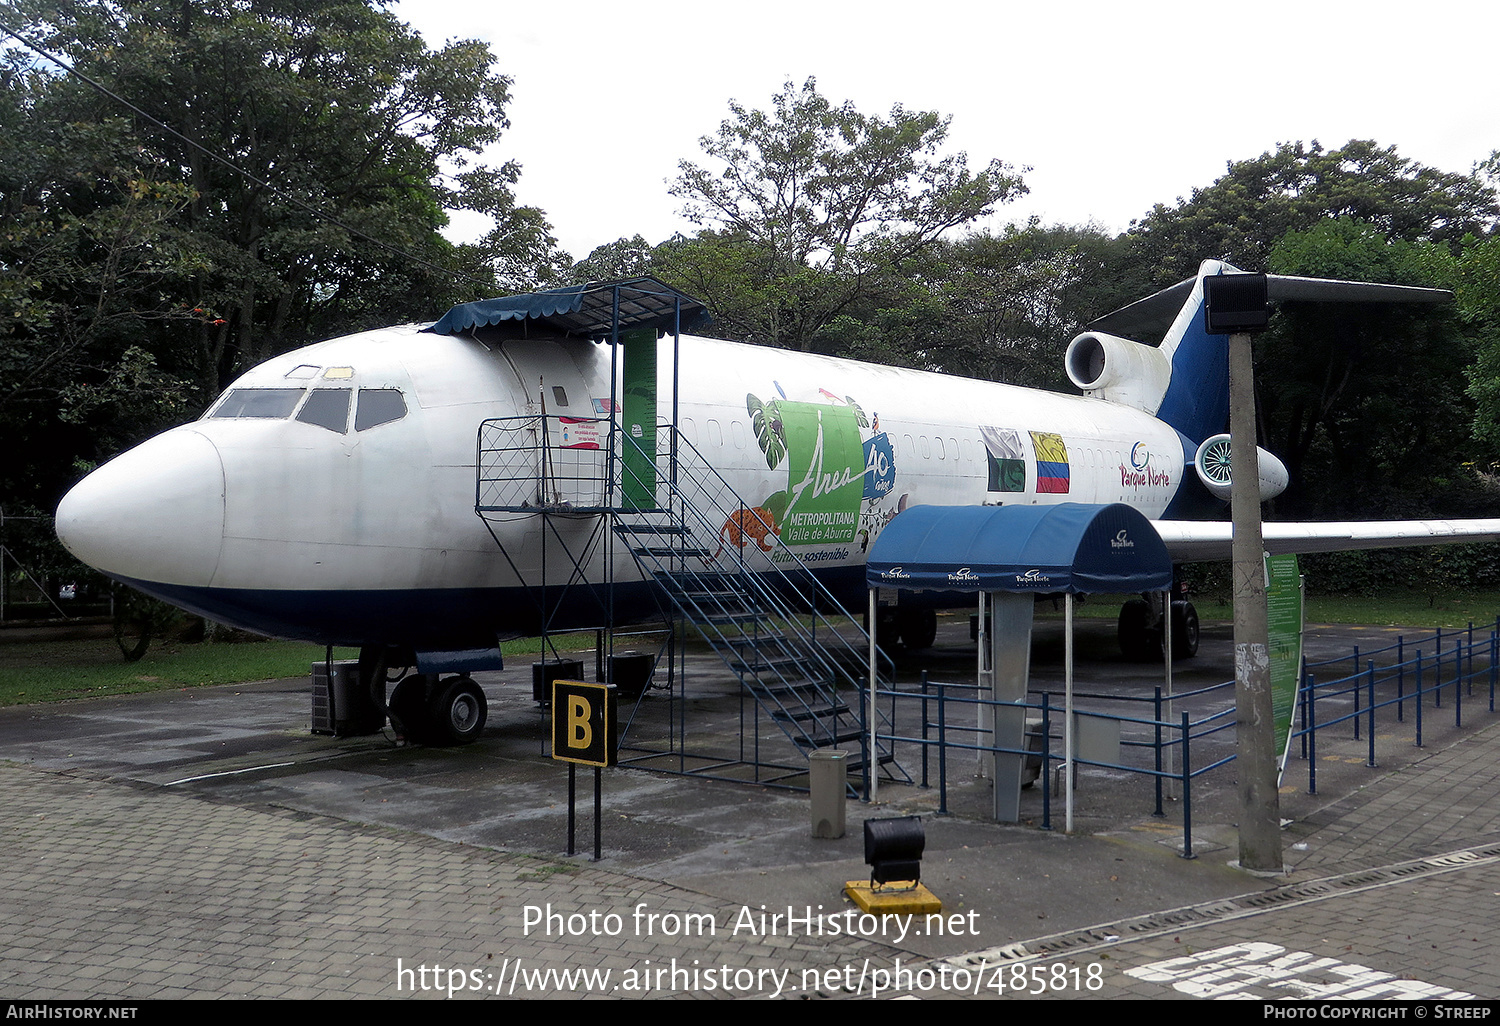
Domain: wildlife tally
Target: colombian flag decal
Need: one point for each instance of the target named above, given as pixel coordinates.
(1051, 462)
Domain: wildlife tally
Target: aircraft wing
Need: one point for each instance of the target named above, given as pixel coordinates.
(1190, 540)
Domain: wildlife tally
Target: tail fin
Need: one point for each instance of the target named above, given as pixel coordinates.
(1183, 381)
(1196, 402)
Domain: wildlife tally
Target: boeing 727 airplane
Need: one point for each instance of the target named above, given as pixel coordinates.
(330, 494)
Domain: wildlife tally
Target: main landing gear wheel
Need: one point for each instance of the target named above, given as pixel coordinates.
(1184, 630)
(1141, 638)
(408, 705)
(457, 712)
(918, 627)
(1138, 640)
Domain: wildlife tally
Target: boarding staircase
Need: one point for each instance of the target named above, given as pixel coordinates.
(720, 564)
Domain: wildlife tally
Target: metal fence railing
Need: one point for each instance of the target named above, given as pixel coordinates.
(1440, 672)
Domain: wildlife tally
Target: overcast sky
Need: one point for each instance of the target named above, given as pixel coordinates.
(1113, 106)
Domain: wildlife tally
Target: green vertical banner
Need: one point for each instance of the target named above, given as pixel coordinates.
(638, 419)
(1284, 620)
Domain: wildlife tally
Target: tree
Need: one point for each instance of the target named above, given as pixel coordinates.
(623, 258)
(349, 139)
(1365, 403)
(1477, 290)
(1242, 216)
(253, 176)
(809, 208)
(1011, 301)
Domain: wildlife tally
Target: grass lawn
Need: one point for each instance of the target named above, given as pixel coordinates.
(53, 671)
(1393, 609)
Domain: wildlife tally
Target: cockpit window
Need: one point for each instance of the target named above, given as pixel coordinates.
(378, 406)
(327, 408)
(260, 403)
(303, 372)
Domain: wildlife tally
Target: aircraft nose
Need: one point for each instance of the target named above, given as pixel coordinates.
(154, 513)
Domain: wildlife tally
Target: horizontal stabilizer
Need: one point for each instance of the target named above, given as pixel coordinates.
(1191, 540)
(1152, 316)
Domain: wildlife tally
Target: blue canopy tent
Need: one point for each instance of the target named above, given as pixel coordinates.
(1068, 549)
(1071, 548)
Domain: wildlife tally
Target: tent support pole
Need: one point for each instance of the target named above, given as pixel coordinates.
(1068, 712)
(872, 778)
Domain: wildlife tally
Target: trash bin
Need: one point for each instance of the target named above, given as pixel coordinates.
(630, 673)
(1033, 767)
(828, 784)
(543, 674)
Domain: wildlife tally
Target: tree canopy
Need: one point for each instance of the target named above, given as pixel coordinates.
(219, 181)
(809, 208)
(1241, 216)
(241, 178)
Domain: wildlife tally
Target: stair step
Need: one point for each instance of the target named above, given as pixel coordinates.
(826, 740)
(724, 618)
(652, 529)
(765, 638)
(687, 552)
(723, 598)
(856, 765)
(787, 662)
(803, 715)
(705, 577)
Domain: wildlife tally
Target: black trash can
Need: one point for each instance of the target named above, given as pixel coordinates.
(543, 674)
(630, 673)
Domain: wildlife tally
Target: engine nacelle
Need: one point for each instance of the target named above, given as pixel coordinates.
(1119, 370)
(1212, 464)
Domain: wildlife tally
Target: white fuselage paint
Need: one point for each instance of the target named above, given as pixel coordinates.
(260, 505)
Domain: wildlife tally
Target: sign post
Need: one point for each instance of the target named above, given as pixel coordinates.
(584, 730)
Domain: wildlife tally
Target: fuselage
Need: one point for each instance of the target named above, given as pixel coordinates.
(329, 494)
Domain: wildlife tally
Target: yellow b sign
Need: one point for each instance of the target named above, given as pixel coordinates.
(583, 722)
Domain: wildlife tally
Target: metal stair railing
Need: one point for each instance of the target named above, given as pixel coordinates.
(764, 617)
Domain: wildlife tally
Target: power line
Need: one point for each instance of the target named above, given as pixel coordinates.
(309, 208)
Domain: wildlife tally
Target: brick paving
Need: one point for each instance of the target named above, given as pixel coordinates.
(123, 889)
(115, 891)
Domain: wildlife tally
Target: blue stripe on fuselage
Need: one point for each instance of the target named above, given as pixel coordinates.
(1197, 399)
(434, 619)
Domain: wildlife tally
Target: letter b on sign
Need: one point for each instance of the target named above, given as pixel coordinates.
(580, 733)
(583, 722)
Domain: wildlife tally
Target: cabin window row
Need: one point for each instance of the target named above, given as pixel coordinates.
(324, 407)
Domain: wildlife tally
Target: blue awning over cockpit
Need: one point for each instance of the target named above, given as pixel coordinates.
(594, 310)
(1070, 547)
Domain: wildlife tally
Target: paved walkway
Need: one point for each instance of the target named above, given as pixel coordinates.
(119, 882)
(119, 890)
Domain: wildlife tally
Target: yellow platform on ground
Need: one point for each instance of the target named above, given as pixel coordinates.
(893, 899)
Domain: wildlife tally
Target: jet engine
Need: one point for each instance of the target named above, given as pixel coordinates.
(1212, 464)
(1119, 370)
